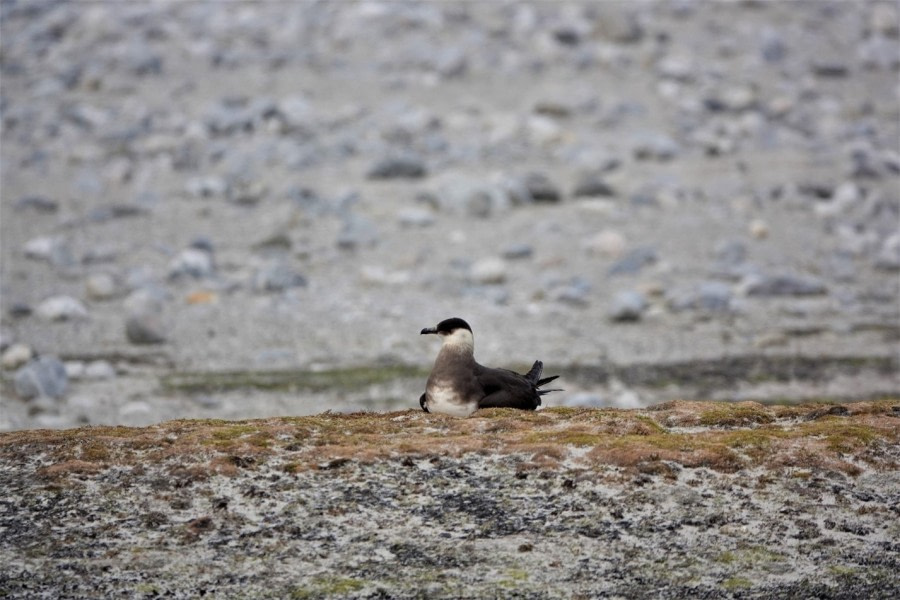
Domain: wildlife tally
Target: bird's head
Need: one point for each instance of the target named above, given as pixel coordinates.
(455, 332)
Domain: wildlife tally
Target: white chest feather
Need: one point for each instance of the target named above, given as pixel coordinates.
(444, 399)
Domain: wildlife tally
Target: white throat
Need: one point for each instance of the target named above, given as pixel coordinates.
(461, 340)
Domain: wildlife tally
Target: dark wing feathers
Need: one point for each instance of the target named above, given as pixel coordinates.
(507, 389)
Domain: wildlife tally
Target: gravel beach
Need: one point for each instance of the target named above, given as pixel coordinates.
(667, 187)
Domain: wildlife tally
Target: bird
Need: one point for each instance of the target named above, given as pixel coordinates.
(459, 386)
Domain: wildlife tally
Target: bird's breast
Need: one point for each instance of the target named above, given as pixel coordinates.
(445, 398)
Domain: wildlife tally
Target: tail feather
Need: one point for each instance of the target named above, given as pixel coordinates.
(534, 376)
(535, 373)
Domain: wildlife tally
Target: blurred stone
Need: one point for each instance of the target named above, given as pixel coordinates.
(101, 286)
(888, 258)
(191, 262)
(15, 356)
(759, 229)
(592, 185)
(40, 204)
(398, 167)
(575, 292)
(42, 377)
(656, 146)
(144, 328)
(99, 369)
(357, 232)
(277, 276)
(782, 285)
(884, 19)
(628, 305)
(634, 261)
(488, 271)
(517, 251)
(61, 308)
(541, 188)
(608, 243)
(730, 253)
(415, 217)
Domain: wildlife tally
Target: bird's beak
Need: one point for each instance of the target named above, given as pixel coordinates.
(429, 330)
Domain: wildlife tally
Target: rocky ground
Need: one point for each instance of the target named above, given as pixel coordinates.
(667, 187)
(684, 500)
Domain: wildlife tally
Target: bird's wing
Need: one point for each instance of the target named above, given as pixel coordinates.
(504, 388)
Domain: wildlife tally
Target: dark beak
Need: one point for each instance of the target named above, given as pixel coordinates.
(429, 330)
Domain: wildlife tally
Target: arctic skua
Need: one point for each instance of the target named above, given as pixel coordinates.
(459, 386)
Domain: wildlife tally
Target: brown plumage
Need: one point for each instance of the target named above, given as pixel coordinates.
(458, 385)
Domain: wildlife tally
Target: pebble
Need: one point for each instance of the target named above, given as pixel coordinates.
(474, 199)
(608, 242)
(54, 250)
(42, 377)
(730, 253)
(61, 308)
(490, 270)
(144, 328)
(99, 369)
(593, 185)
(541, 188)
(206, 187)
(40, 204)
(575, 292)
(782, 285)
(101, 286)
(191, 262)
(759, 229)
(15, 356)
(398, 167)
(713, 296)
(634, 261)
(277, 276)
(415, 217)
(517, 251)
(627, 306)
(357, 232)
(658, 146)
(888, 258)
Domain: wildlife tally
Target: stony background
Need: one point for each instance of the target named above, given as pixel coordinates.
(306, 185)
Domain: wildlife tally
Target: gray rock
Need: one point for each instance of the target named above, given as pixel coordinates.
(878, 52)
(61, 308)
(592, 185)
(888, 258)
(206, 187)
(357, 232)
(474, 199)
(191, 262)
(488, 271)
(576, 291)
(628, 306)
(54, 250)
(541, 188)
(729, 253)
(42, 377)
(144, 328)
(656, 146)
(713, 296)
(772, 46)
(101, 214)
(398, 167)
(517, 251)
(277, 276)
(782, 285)
(101, 286)
(634, 261)
(15, 356)
(40, 204)
(99, 369)
(415, 217)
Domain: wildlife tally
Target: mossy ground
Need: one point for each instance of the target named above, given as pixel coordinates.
(722, 436)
